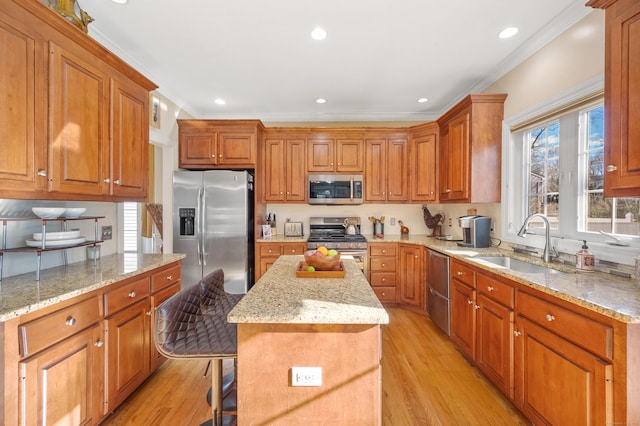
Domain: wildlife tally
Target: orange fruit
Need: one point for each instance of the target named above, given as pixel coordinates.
(323, 250)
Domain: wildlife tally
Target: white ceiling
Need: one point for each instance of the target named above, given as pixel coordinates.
(380, 56)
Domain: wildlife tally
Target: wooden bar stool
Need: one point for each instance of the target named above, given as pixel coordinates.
(193, 324)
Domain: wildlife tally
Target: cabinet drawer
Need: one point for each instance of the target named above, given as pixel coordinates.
(383, 279)
(270, 249)
(126, 295)
(498, 291)
(43, 332)
(165, 278)
(293, 249)
(463, 273)
(383, 264)
(383, 250)
(385, 294)
(583, 331)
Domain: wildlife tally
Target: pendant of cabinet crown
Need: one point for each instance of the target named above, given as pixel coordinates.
(621, 93)
(471, 150)
(77, 122)
(211, 144)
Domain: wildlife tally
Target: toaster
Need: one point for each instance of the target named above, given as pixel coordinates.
(293, 229)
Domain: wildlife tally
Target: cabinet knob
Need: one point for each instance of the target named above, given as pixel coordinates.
(117, 181)
(293, 251)
(281, 192)
(549, 317)
(149, 313)
(469, 302)
(42, 172)
(169, 277)
(416, 256)
(107, 180)
(384, 251)
(517, 333)
(213, 156)
(459, 273)
(383, 265)
(70, 321)
(132, 294)
(384, 279)
(447, 190)
(476, 307)
(489, 288)
(611, 168)
(99, 343)
(384, 294)
(219, 155)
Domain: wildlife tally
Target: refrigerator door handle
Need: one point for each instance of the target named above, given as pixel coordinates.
(199, 216)
(203, 227)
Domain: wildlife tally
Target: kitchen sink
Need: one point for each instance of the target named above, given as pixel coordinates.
(517, 265)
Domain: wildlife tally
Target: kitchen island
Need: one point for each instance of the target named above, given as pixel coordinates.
(332, 324)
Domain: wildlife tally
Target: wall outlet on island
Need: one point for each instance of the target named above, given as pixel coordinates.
(306, 376)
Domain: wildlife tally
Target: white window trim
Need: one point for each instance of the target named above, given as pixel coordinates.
(513, 209)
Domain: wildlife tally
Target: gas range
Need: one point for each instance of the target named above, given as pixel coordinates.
(330, 232)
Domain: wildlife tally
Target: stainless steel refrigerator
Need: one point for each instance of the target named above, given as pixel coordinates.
(213, 225)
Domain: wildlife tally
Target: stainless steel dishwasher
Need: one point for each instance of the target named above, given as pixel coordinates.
(438, 287)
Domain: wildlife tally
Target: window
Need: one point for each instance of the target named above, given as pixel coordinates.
(555, 166)
(130, 227)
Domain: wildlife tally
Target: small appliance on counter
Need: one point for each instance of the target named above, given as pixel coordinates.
(293, 229)
(476, 231)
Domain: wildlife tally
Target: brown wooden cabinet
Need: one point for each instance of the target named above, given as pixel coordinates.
(210, 144)
(284, 169)
(164, 284)
(411, 275)
(423, 153)
(622, 89)
(269, 252)
(335, 153)
(470, 150)
(382, 271)
(386, 176)
(462, 295)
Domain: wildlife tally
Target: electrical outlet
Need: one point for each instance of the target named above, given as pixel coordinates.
(393, 221)
(107, 233)
(306, 376)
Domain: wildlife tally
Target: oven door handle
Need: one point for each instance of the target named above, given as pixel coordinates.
(351, 185)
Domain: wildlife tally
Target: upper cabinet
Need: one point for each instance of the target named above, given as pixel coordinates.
(76, 124)
(211, 144)
(470, 150)
(386, 168)
(423, 152)
(622, 91)
(284, 167)
(335, 153)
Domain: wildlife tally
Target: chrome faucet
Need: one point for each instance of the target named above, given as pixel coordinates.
(549, 250)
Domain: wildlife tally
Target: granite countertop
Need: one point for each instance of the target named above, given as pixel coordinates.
(22, 293)
(281, 297)
(610, 295)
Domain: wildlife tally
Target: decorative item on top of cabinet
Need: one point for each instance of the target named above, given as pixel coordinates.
(284, 168)
(210, 144)
(423, 154)
(621, 92)
(386, 176)
(382, 270)
(470, 150)
(334, 152)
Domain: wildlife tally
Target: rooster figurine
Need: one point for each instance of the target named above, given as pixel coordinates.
(433, 222)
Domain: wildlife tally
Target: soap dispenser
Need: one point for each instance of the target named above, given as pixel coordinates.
(585, 261)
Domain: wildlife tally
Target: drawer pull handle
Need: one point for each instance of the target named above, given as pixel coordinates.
(489, 288)
(70, 321)
(460, 273)
(549, 317)
(611, 168)
(169, 277)
(132, 294)
(517, 333)
(99, 344)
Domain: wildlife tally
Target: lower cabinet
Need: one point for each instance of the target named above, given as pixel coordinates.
(268, 253)
(463, 317)
(411, 273)
(382, 270)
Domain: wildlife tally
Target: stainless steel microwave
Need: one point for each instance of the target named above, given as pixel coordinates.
(335, 189)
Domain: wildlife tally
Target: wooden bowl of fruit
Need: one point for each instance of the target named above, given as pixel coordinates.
(322, 260)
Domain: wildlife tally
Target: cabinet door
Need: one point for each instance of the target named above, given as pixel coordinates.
(79, 115)
(156, 300)
(236, 149)
(463, 318)
(128, 350)
(23, 162)
(349, 155)
(264, 264)
(375, 180)
(397, 170)
(293, 248)
(412, 277)
(198, 149)
(454, 160)
(129, 140)
(423, 168)
(274, 170)
(321, 155)
(622, 90)
(494, 343)
(296, 177)
(64, 383)
(557, 383)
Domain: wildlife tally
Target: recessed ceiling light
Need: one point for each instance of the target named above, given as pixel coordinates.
(318, 34)
(120, 1)
(219, 101)
(508, 32)
(321, 101)
(423, 100)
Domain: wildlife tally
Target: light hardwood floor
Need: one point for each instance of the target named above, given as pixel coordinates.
(425, 381)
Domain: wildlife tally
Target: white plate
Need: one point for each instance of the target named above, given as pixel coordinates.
(74, 212)
(52, 236)
(58, 243)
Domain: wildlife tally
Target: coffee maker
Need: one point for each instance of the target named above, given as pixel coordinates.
(475, 231)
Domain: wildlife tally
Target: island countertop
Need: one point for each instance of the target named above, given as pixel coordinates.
(280, 297)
